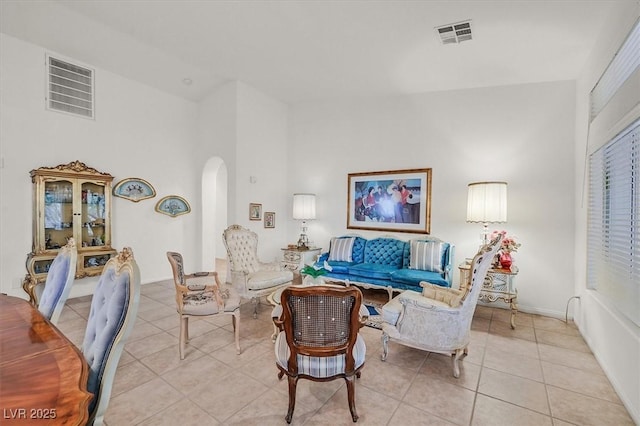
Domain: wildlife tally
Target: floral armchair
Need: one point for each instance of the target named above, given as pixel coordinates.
(250, 277)
(438, 319)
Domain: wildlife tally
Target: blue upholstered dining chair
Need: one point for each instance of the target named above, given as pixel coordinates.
(113, 312)
(59, 281)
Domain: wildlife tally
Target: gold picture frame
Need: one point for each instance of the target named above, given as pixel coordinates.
(395, 200)
(255, 211)
(173, 205)
(134, 189)
(269, 219)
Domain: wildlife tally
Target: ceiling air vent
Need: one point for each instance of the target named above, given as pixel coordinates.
(455, 33)
(70, 88)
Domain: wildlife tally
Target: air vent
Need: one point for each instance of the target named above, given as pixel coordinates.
(70, 87)
(455, 33)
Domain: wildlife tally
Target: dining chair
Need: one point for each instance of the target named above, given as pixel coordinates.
(111, 318)
(201, 294)
(319, 338)
(59, 281)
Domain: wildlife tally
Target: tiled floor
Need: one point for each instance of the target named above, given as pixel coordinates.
(542, 373)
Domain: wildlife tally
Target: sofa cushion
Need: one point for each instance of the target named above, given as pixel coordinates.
(415, 276)
(427, 255)
(341, 249)
(372, 270)
(384, 251)
(338, 267)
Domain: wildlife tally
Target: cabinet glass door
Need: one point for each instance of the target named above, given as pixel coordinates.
(93, 214)
(58, 213)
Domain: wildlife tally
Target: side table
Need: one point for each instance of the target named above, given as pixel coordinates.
(294, 259)
(499, 284)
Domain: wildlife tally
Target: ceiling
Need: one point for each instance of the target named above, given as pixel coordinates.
(308, 50)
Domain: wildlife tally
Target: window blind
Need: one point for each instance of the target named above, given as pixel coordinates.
(613, 255)
(623, 64)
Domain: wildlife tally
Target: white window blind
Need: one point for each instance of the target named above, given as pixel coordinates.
(613, 256)
(70, 87)
(623, 64)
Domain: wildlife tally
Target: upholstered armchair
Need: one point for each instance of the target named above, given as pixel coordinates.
(201, 294)
(59, 281)
(250, 277)
(438, 319)
(318, 338)
(113, 312)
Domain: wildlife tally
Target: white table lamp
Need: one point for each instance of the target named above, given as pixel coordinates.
(304, 208)
(487, 203)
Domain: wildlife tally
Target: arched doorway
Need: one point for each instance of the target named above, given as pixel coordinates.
(214, 213)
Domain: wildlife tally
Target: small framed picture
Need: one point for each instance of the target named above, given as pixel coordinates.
(255, 211)
(269, 219)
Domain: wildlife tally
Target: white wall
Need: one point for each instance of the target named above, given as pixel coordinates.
(614, 340)
(138, 132)
(248, 131)
(520, 134)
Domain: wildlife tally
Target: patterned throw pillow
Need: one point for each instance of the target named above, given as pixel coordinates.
(427, 255)
(341, 249)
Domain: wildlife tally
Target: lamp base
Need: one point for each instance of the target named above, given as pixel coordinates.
(303, 241)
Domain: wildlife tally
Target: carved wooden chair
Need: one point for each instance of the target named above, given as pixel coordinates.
(59, 281)
(201, 294)
(318, 338)
(250, 277)
(113, 312)
(439, 318)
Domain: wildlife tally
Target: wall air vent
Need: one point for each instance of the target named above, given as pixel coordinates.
(69, 88)
(455, 33)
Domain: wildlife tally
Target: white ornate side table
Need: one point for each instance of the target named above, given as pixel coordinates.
(499, 284)
(294, 259)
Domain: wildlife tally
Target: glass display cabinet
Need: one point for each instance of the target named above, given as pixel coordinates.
(69, 200)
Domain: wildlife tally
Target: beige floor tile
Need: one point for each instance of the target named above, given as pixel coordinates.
(151, 344)
(575, 343)
(516, 390)
(312, 395)
(130, 376)
(222, 398)
(162, 311)
(405, 356)
(211, 341)
(485, 312)
(520, 332)
(503, 315)
(516, 347)
(521, 366)
(493, 412)
(140, 403)
(480, 324)
(193, 373)
(388, 379)
(555, 325)
(576, 359)
(269, 409)
(441, 367)
(143, 329)
(183, 413)
(168, 358)
(407, 415)
(581, 381)
(585, 410)
(373, 408)
(429, 396)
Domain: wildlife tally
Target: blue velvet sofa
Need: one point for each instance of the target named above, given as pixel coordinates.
(389, 263)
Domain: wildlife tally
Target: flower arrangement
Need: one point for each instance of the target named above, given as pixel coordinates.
(508, 244)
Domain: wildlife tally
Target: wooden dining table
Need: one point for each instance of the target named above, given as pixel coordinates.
(43, 375)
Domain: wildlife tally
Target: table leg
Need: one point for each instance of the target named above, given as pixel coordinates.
(514, 312)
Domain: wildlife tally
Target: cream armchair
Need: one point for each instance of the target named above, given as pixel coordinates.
(250, 277)
(439, 318)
